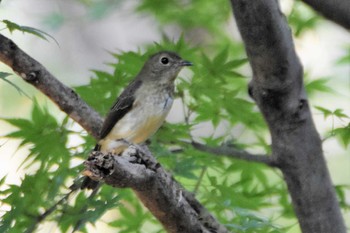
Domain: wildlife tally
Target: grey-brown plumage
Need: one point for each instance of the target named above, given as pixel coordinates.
(143, 105)
(120, 107)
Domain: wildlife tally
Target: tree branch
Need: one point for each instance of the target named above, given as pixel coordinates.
(335, 10)
(277, 87)
(235, 153)
(170, 203)
(175, 208)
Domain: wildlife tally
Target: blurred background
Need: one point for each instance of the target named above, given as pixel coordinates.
(87, 32)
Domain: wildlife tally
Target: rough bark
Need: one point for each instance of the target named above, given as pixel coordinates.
(169, 202)
(233, 152)
(277, 87)
(177, 209)
(335, 10)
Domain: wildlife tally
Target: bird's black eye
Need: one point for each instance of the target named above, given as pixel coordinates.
(164, 60)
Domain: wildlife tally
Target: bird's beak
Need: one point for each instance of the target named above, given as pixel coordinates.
(186, 63)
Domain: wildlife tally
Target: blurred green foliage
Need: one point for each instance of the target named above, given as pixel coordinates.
(302, 18)
(246, 197)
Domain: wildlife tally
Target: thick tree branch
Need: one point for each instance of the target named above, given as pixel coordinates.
(175, 208)
(277, 87)
(235, 153)
(335, 10)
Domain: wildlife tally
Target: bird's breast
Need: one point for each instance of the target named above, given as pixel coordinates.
(142, 121)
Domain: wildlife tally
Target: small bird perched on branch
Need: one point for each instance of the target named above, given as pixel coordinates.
(142, 107)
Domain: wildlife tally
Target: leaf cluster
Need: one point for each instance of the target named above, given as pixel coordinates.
(188, 15)
(302, 18)
(43, 193)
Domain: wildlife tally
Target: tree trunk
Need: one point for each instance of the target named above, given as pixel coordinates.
(277, 87)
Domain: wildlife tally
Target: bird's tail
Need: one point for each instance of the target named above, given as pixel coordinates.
(89, 183)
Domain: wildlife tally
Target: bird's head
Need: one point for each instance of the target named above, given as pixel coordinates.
(163, 67)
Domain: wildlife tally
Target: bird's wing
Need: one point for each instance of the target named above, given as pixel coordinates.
(122, 106)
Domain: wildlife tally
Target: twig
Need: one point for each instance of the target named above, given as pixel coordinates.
(81, 221)
(200, 179)
(49, 211)
(235, 153)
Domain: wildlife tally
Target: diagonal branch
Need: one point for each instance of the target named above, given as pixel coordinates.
(235, 153)
(177, 209)
(335, 10)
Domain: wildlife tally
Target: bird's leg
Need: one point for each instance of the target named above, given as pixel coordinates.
(118, 146)
(136, 153)
(127, 149)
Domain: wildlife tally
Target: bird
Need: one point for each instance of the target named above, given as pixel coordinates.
(141, 108)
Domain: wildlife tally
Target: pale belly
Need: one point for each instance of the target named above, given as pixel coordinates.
(137, 126)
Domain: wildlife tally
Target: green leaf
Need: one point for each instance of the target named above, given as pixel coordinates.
(40, 132)
(132, 217)
(341, 193)
(204, 15)
(220, 58)
(345, 60)
(186, 168)
(302, 18)
(320, 85)
(237, 63)
(4, 75)
(343, 134)
(11, 26)
(326, 112)
(339, 113)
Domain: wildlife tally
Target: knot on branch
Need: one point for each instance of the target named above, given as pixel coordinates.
(285, 108)
(134, 167)
(99, 165)
(31, 77)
